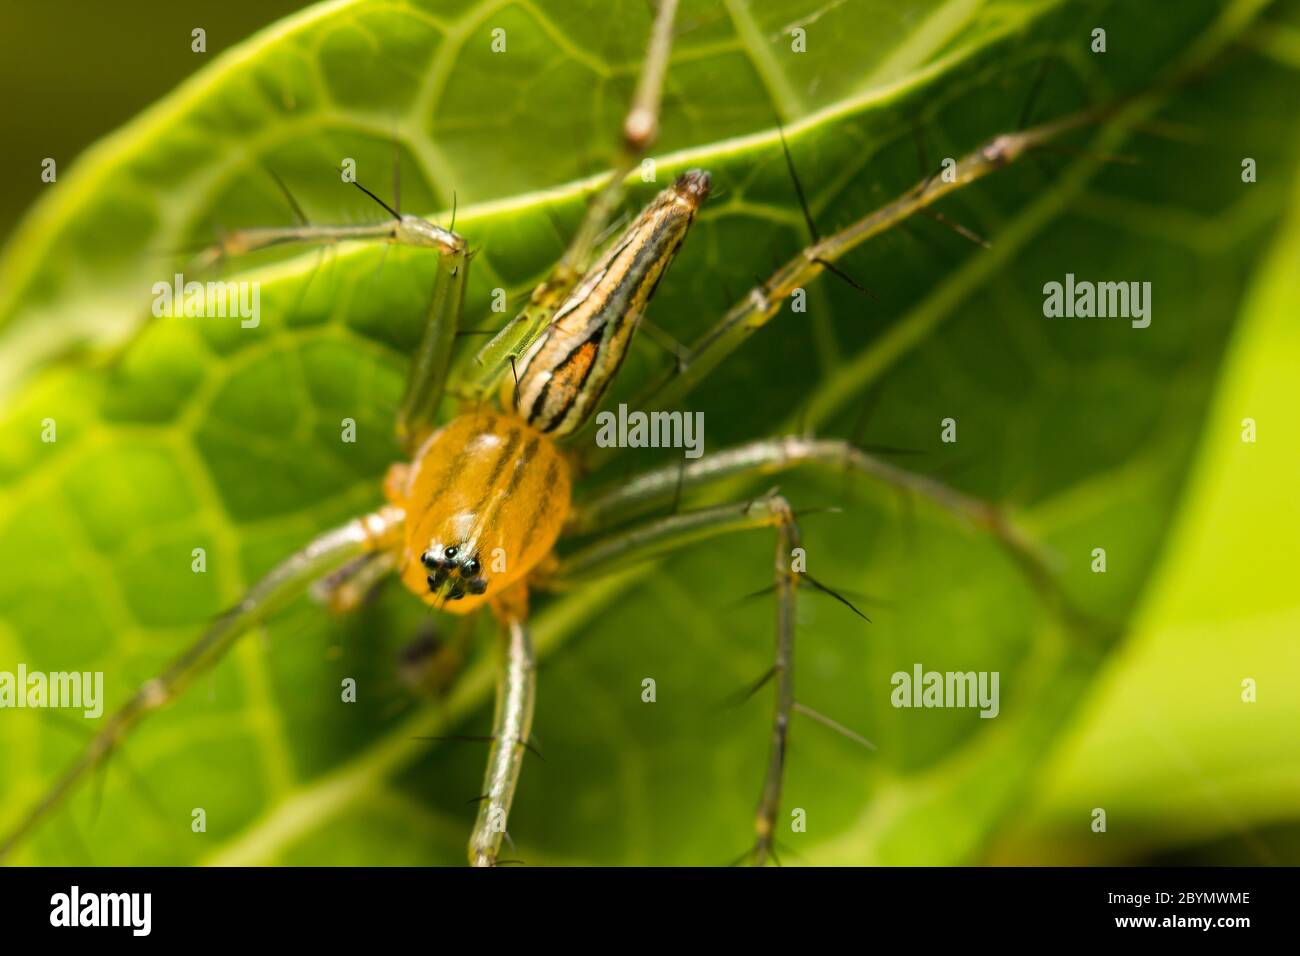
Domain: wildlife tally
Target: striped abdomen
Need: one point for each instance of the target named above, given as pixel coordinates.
(567, 370)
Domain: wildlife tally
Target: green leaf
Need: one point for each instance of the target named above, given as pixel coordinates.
(176, 434)
(1173, 742)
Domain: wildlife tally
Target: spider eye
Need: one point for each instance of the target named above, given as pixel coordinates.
(469, 568)
(429, 560)
(452, 551)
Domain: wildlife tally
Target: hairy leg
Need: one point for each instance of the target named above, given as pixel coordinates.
(694, 364)
(282, 584)
(625, 500)
(346, 589)
(512, 725)
(427, 378)
(630, 496)
(640, 129)
(654, 538)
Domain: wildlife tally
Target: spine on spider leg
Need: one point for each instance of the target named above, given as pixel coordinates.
(641, 542)
(282, 584)
(566, 371)
(765, 301)
(640, 130)
(402, 230)
(769, 802)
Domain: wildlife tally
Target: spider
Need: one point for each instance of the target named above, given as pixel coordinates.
(472, 518)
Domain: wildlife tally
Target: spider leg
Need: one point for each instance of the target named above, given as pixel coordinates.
(427, 378)
(640, 129)
(618, 501)
(402, 229)
(428, 664)
(512, 724)
(764, 301)
(282, 584)
(654, 538)
(720, 473)
(346, 589)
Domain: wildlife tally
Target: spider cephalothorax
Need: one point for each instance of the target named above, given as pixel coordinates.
(485, 498)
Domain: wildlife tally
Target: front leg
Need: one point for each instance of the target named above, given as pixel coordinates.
(512, 724)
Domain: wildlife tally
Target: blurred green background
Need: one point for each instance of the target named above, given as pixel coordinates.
(172, 434)
(75, 70)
